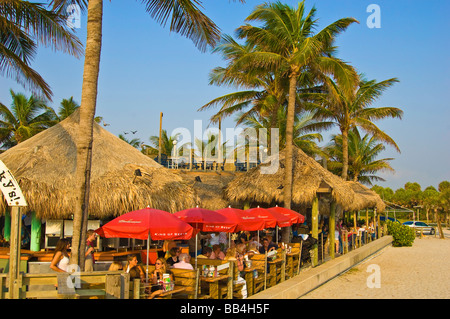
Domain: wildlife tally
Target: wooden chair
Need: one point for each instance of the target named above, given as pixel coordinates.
(259, 261)
(237, 287)
(190, 281)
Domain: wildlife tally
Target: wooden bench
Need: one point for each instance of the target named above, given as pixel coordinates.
(101, 284)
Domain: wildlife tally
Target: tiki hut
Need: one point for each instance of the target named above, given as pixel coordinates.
(367, 198)
(264, 184)
(209, 187)
(122, 178)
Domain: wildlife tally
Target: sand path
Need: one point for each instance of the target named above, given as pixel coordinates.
(421, 271)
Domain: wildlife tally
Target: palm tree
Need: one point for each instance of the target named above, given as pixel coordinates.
(135, 142)
(262, 92)
(67, 107)
(166, 143)
(186, 19)
(286, 42)
(362, 152)
(305, 127)
(26, 117)
(353, 110)
(23, 26)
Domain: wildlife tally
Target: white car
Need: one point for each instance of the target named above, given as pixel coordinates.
(420, 225)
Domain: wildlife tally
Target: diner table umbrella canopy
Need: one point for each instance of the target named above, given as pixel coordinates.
(296, 218)
(206, 220)
(147, 223)
(271, 218)
(244, 220)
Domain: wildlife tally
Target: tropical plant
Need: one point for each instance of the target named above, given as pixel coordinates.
(26, 117)
(286, 43)
(363, 164)
(402, 235)
(349, 110)
(186, 19)
(23, 26)
(167, 143)
(135, 142)
(305, 127)
(67, 107)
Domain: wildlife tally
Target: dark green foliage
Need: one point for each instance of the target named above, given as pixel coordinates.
(402, 235)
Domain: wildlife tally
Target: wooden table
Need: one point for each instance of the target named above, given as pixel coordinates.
(168, 294)
(214, 284)
(273, 270)
(249, 279)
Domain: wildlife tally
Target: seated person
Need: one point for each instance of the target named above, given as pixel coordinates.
(174, 253)
(267, 246)
(134, 269)
(217, 253)
(161, 268)
(252, 250)
(184, 262)
(207, 251)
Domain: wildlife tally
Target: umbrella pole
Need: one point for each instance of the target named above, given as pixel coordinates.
(148, 252)
(196, 238)
(277, 233)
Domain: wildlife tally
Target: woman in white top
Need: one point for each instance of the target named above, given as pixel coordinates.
(61, 256)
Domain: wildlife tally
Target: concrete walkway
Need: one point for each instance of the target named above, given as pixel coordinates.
(417, 272)
(314, 277)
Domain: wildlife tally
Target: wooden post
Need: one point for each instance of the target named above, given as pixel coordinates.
(355, 244)
(315, 229)
(136, 288)
(299, 259)
(375, 222)
(332, 228)
(230, 282)
(14, 252)
(160, 131)
(379, 227)
(283, 265)
(114, 286)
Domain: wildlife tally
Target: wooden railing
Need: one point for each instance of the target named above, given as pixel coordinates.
(99, 284)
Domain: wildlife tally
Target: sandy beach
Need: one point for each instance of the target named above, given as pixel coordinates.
(421, 272)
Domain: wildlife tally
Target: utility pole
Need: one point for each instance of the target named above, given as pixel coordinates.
(160, 131)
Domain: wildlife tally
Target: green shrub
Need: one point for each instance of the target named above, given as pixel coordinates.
(402, 235)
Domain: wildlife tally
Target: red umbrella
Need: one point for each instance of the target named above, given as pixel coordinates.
(295, 217)
(147, 223)
(207, 220)
(271, 218)
(244, 220)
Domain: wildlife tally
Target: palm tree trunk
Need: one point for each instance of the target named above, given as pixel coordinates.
(289, 151)
(85, 135)
(438, 220)
(344, 154)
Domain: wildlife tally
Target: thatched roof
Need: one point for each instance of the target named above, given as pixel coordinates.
(209, 187)
(367, 198)
(309, 177)
(44, 166)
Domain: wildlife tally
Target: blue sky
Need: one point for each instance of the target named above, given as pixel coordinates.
(146, 70)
